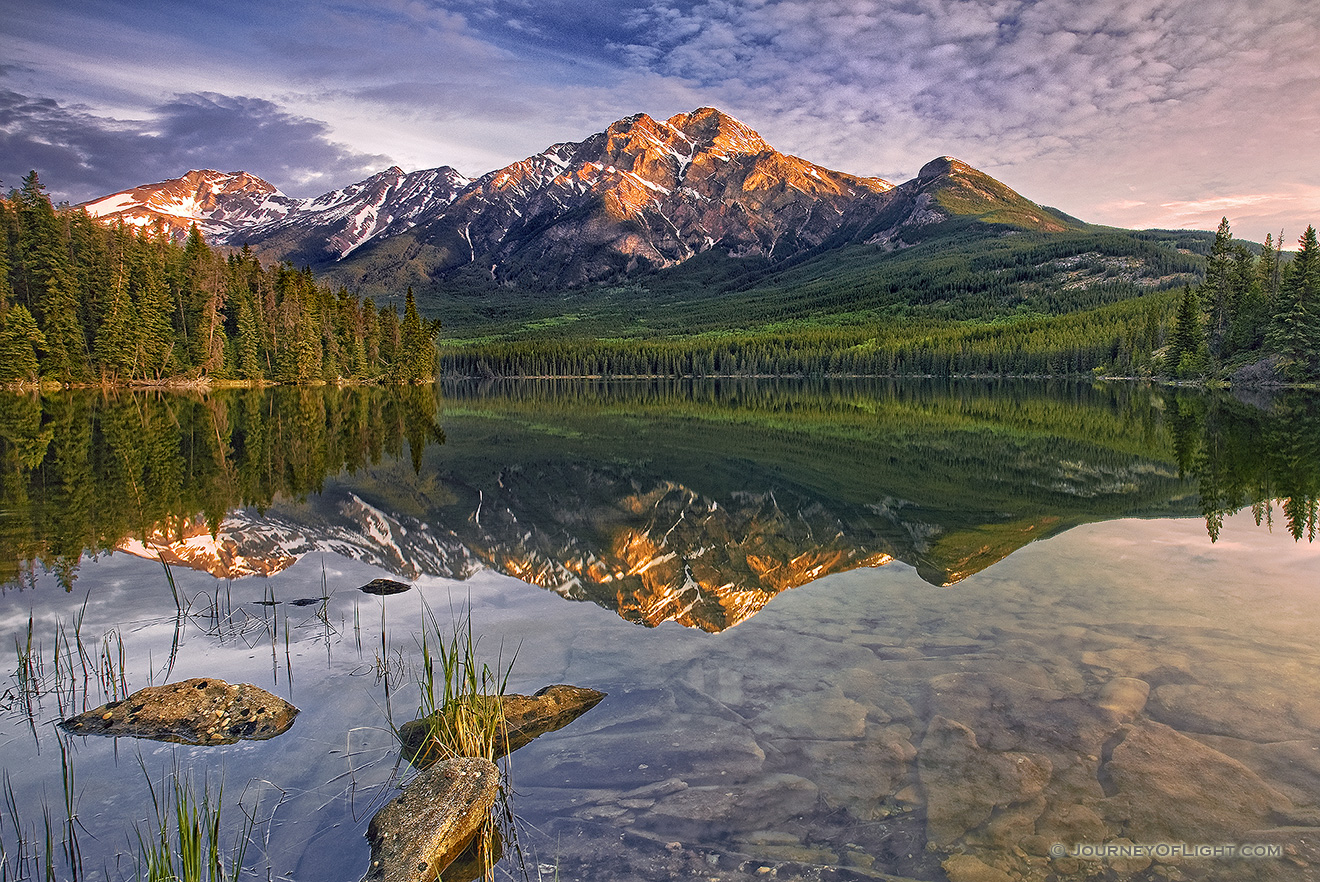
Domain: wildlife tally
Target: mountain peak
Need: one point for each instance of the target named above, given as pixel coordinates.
(713, 129)
(944, 165)
(217, 201)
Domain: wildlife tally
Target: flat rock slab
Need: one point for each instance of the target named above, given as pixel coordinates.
(421, 831)
(526, 717)
(203, 710)
(384, 587)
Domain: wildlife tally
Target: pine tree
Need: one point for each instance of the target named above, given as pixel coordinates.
(151, 303)
(416, 359)
(1268, 268)
(250, 365)
(1295, 332)
(51, 291)
(20, 343)
(116, 339)
(6, 289)
(1186, 352)
(1217, 289)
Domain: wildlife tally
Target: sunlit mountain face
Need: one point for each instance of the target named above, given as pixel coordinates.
(641, 195)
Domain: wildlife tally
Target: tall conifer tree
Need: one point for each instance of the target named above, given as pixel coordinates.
(1295, 332)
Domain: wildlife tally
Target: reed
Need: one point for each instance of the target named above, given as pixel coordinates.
(183, 844)
(460, 703)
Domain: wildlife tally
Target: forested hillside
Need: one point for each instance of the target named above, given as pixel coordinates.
(81, 302)
(1102, 302)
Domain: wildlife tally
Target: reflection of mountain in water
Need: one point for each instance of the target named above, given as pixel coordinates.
(700, 512)
(662, 555)
(692, 503)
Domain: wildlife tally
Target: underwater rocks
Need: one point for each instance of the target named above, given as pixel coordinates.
(203, 710)
(525, 718)
(423, 830)
(1012, 771)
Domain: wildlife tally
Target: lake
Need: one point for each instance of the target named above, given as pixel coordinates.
(974, 630)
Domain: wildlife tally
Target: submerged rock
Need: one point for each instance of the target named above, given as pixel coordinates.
(1125, 697)
(203, 710)
(384, 587)
(423, 830)
(525, 718)
(1172, 788)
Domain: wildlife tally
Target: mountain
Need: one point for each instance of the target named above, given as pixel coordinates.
(333, 225)
(219, 203)
(947, 189)
(642, 195)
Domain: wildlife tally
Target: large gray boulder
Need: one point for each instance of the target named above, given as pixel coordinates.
(203, 710)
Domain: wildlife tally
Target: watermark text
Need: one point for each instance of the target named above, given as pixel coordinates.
(1088, 851)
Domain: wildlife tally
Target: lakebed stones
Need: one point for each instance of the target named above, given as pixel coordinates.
(1011, 770)
(203, 710)
(525, 718)
(1171, 788)
(424, 829)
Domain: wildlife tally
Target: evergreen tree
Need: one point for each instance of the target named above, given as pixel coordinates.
(20, 343)
(1217, 289)
(151, 304)
(6, 289)
(249, 363)
(415, 362)
(1268, 268)
(1295, 332)
(116, 340)
(1185, 356)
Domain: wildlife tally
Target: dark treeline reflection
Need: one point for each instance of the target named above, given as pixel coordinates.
(947, 475)
(81, 471)
(1252, 456)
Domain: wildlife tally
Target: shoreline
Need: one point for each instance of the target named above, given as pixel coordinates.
(206, 384)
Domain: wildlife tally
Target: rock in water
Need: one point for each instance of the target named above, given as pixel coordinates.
(420, 833)
(525, 717)
(203, 710)
(1124, 697)
(384, 587)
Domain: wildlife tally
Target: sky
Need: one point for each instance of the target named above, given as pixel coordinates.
(1159, 113)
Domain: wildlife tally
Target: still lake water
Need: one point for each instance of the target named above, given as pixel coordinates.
(969, 631)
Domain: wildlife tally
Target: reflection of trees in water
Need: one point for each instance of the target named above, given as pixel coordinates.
(82, 471)
(1242, 456)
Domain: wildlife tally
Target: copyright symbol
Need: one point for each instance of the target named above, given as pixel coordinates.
(1058, 850)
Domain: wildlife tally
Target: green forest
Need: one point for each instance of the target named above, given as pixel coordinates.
(83, 303)
(1253, 316)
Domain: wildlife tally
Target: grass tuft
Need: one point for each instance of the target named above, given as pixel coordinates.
(460, 705)
(183, 844)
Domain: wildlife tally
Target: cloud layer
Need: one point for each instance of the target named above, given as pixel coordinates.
(1130, 112)
(80, 154)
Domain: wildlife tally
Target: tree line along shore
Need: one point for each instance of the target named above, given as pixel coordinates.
(86, 304)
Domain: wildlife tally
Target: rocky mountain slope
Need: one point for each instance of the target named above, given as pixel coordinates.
(333, 225)
(220, 203)
(641, 195)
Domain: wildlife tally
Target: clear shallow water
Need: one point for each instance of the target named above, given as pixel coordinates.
(865, 720)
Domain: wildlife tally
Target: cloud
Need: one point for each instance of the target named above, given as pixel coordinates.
(1075, 103)
(81, 155)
